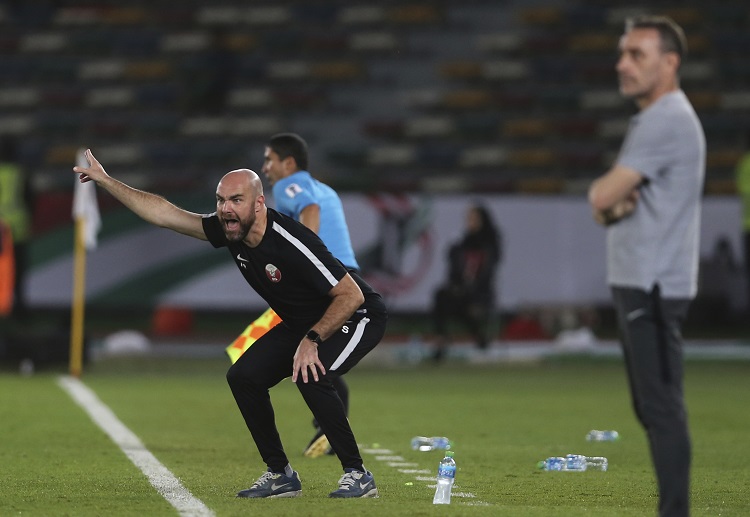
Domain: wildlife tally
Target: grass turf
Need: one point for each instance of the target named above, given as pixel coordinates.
(503, 419)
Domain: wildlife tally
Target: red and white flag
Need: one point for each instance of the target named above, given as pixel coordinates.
(85, 205)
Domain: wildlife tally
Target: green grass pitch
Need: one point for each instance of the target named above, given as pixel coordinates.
(503, 419)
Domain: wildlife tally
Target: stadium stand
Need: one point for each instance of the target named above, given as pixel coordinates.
(493, 91)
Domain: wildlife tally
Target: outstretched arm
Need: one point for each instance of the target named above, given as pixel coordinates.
(150, 207)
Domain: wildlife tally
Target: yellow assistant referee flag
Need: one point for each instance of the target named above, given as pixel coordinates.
(255, 330)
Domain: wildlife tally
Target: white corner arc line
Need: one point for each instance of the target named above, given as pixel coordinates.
(158, 475)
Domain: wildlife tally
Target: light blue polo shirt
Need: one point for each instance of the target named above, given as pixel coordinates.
(659, 242)
(298, 190)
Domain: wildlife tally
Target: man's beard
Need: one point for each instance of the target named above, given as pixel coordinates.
(240, 233)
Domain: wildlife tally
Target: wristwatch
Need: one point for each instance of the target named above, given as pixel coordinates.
(313, 336)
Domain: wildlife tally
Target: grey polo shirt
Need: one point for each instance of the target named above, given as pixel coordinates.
(659, 242)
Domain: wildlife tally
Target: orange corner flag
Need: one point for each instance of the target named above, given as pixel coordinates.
(255, 330)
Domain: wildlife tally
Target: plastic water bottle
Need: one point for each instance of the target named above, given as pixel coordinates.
(574, 463)
(596, 463)
(552, 463)
(445, 477)
(425, 443)
(570, 463)
(602, 436)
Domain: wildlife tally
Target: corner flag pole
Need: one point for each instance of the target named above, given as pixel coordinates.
(87, 224)
(79, 297)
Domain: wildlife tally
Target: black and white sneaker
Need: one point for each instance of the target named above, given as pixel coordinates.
(356, 484)
(272, 484)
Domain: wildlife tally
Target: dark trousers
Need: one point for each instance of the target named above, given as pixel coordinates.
(339, 384)
(471, 310)
(269, 361)
(650, 329)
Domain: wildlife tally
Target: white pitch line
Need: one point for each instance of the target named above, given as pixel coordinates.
(456, 494)
(414, 471)
(158, 475)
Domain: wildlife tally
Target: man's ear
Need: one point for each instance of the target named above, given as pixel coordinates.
(673, 59)
(290, 164)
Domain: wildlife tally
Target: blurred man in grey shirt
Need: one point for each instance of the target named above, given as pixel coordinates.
(650, 201)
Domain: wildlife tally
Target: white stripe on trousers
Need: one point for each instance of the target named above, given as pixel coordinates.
(352, 344)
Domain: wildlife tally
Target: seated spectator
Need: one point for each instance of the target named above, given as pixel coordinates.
(469, 293)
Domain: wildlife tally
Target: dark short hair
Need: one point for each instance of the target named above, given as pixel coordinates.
(290, 144)
(671, 35)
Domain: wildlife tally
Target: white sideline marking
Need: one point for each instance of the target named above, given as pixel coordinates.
(414, 471)
(455, 494)
(158, 475)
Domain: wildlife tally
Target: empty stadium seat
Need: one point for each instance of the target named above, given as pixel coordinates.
(384, 128)
(373, 41)
(463, 69)
(467, 99)
(394, 155)
(340, 70)
(533, 157)
(489, 156)
(147, 69)
(429, 127)
(361, 14)
(20, 96)
(545, 16)
(531, 128)
(415, 14)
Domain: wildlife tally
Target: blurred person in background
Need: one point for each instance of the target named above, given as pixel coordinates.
(742, 175)
(16, 201)
(469, 292)
(331, 318)
(650, 202)
(297, 194)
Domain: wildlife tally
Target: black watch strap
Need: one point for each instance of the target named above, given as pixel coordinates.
(313, 336)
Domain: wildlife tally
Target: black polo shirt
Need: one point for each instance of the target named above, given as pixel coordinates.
(291, 269)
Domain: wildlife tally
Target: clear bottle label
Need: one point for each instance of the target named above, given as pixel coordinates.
(447, 471)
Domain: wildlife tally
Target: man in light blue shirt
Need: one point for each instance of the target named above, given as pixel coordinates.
(650, 202)
(300, 196)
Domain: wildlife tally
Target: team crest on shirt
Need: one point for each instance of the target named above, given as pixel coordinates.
(292, 190)
(273, 273)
